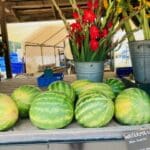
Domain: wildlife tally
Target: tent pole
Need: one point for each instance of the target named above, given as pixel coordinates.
(24, 58)
(42, 55)
(55, 54)
(4, 35)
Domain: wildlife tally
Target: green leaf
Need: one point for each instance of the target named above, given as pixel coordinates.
(74, 49)
(86, 45)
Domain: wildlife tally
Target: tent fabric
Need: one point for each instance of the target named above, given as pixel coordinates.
(42, 36)
(43, 46)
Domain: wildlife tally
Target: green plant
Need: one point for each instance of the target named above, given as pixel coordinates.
(91, 34)
(141, 20)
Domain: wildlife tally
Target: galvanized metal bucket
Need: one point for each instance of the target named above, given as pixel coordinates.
(140, 57)
(92, 71)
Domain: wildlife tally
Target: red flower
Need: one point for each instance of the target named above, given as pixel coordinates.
(89, 16)
(104, 33)
(79, 39)
(76, 27)
(94, 32)
(92, 5)
(75, 15)
(94, 45)
(109, 25)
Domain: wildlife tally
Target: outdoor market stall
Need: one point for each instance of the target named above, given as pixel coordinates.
(73, 137)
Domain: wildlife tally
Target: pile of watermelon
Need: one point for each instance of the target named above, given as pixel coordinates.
(91, 105)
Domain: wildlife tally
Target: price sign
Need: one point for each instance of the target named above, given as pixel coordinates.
(138, 140)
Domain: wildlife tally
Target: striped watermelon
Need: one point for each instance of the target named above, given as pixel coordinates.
(51, 110)
(102, 88)
(116, 84)
(132, 107)
(79, 84)
(63, 87)
(88, 94)
(23, 96)
(94, 111)
(8, 112)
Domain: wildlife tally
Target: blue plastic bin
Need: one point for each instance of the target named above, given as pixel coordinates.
(18, 68)
(13, 57)
(2, 68)
(124, 71)
(44, 81)
(2, 62)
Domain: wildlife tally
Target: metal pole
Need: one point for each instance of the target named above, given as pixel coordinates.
(55, 54)
(42, 55)
(5, 39)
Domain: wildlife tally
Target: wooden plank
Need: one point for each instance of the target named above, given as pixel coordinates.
(7, 86)
(25, 147)
(25, 132)
(34, 11)
(27, 7)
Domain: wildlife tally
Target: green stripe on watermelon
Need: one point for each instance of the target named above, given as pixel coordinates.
(78, 85)
(116, 84)
(55, 95)
(63, 87)
(99, 87)
(90, 93)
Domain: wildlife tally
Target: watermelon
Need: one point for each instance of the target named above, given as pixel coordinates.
(78, 85)
(63, 87)
(103, 88)
(94, 111)
(8, 112)
(23, 96)
(116, 84)
(88, 94)
(51, 110)
(132, 107)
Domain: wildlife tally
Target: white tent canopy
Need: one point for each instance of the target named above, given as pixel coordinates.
(44, 45)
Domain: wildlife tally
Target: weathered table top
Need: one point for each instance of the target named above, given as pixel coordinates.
(25, 132)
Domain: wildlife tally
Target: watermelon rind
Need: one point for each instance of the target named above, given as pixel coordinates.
(51, 112)
(94, 112)
(63, 87)
(103, 88)
(78, 85)
(23, 97)
(116, 84)
(8, 112)
(132, 107)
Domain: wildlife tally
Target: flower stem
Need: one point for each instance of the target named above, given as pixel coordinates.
(60, 13)
(128, 28)
(145, 24)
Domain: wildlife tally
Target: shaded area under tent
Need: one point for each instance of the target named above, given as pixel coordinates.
(48, 46)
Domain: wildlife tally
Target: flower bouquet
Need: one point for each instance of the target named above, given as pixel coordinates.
(139, 21)
(91, 34)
